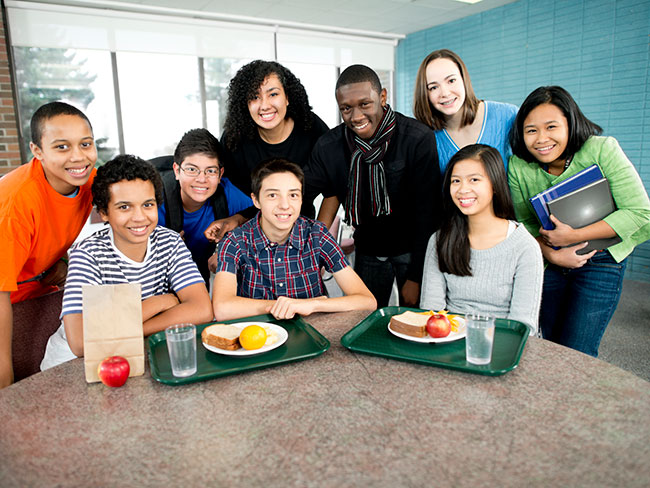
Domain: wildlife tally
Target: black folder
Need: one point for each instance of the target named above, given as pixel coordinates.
(585, 206)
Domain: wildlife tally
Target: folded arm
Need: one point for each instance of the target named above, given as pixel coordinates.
(565, 257)
(192, 304)
(227, 305)
(193, 307)
(357, 296)
(565, 235)
(152, 306)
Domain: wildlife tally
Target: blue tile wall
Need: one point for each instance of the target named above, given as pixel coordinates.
(599, 50)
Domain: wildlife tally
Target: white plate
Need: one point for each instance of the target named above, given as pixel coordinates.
(453, 336)
(282, 333)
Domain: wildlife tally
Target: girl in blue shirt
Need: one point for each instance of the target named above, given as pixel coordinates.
(445, 101)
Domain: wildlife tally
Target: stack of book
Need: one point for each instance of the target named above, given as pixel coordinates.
(578, 201)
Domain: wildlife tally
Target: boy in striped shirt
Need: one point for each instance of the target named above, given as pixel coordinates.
(132, 249)
(272, 263)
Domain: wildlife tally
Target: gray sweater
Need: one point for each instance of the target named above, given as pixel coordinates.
(506, 280)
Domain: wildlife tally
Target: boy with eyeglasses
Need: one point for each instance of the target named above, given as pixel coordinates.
(195, 194)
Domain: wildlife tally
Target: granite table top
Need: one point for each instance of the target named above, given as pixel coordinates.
(561, 418)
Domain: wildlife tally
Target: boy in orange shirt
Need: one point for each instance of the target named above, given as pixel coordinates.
(43, 207)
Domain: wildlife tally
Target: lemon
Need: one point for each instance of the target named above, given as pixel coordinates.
(252, 337)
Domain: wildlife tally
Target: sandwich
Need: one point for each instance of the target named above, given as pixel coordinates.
(222, 336)
(410, 323)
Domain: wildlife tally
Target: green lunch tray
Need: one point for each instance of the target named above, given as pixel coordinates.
(304, 342)
(371, 336)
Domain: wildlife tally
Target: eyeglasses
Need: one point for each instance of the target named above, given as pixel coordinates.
(194, 172)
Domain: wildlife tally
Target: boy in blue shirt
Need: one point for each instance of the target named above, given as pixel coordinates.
(195, 194)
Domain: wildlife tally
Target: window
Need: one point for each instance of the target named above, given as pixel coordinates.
(217, 73)
(386, 79)
(82, 78)
(319, 80)
(160, 101)
(160, 94)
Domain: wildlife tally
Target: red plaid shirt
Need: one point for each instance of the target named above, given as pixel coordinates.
(266, 270)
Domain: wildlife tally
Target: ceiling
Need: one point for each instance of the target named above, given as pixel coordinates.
(392, 17)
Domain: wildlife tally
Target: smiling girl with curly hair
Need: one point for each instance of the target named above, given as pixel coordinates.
(268, 117)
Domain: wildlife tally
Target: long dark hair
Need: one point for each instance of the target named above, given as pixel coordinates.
(422, 108)
(453, 237)
(580, 127)
(244, 86)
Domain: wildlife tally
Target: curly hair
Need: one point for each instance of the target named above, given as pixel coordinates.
(244, 87)
(123, 167)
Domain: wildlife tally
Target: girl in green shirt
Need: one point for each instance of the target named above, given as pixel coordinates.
(551, 141)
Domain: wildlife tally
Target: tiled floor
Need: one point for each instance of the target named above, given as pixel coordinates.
(626, 342)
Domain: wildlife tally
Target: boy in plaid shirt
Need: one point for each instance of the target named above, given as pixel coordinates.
(272, 263)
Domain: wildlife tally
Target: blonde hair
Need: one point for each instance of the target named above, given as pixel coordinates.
(422, 108)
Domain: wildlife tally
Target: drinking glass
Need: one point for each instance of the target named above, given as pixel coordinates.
(181, 344)
(480, 338)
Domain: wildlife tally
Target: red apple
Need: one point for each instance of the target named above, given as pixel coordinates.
(113, 371)
(438, 325)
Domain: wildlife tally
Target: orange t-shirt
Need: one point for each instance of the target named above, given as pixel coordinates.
(37, 226)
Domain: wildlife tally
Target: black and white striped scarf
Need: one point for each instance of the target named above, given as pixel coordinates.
(372, 153)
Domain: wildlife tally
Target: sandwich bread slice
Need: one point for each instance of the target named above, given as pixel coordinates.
(410, 323)
(222, 336)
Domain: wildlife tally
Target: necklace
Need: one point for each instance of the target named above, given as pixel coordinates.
(546, 167)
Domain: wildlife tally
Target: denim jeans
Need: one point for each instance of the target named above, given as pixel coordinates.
(378, 274)
(577, 304)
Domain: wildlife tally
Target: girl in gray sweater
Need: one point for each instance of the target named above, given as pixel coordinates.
(481, 259)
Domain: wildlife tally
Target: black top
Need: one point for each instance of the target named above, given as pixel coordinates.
(251, 152)
(414, 188)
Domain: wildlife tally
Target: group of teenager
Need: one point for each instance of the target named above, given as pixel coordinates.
(439, 204)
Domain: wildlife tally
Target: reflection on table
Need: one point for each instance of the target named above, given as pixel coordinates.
(560, 418)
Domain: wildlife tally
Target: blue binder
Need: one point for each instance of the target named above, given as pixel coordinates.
(540, 201)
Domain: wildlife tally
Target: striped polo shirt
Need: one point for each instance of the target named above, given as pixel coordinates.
(167, 266)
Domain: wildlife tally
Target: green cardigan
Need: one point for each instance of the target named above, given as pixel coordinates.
(631, 220)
